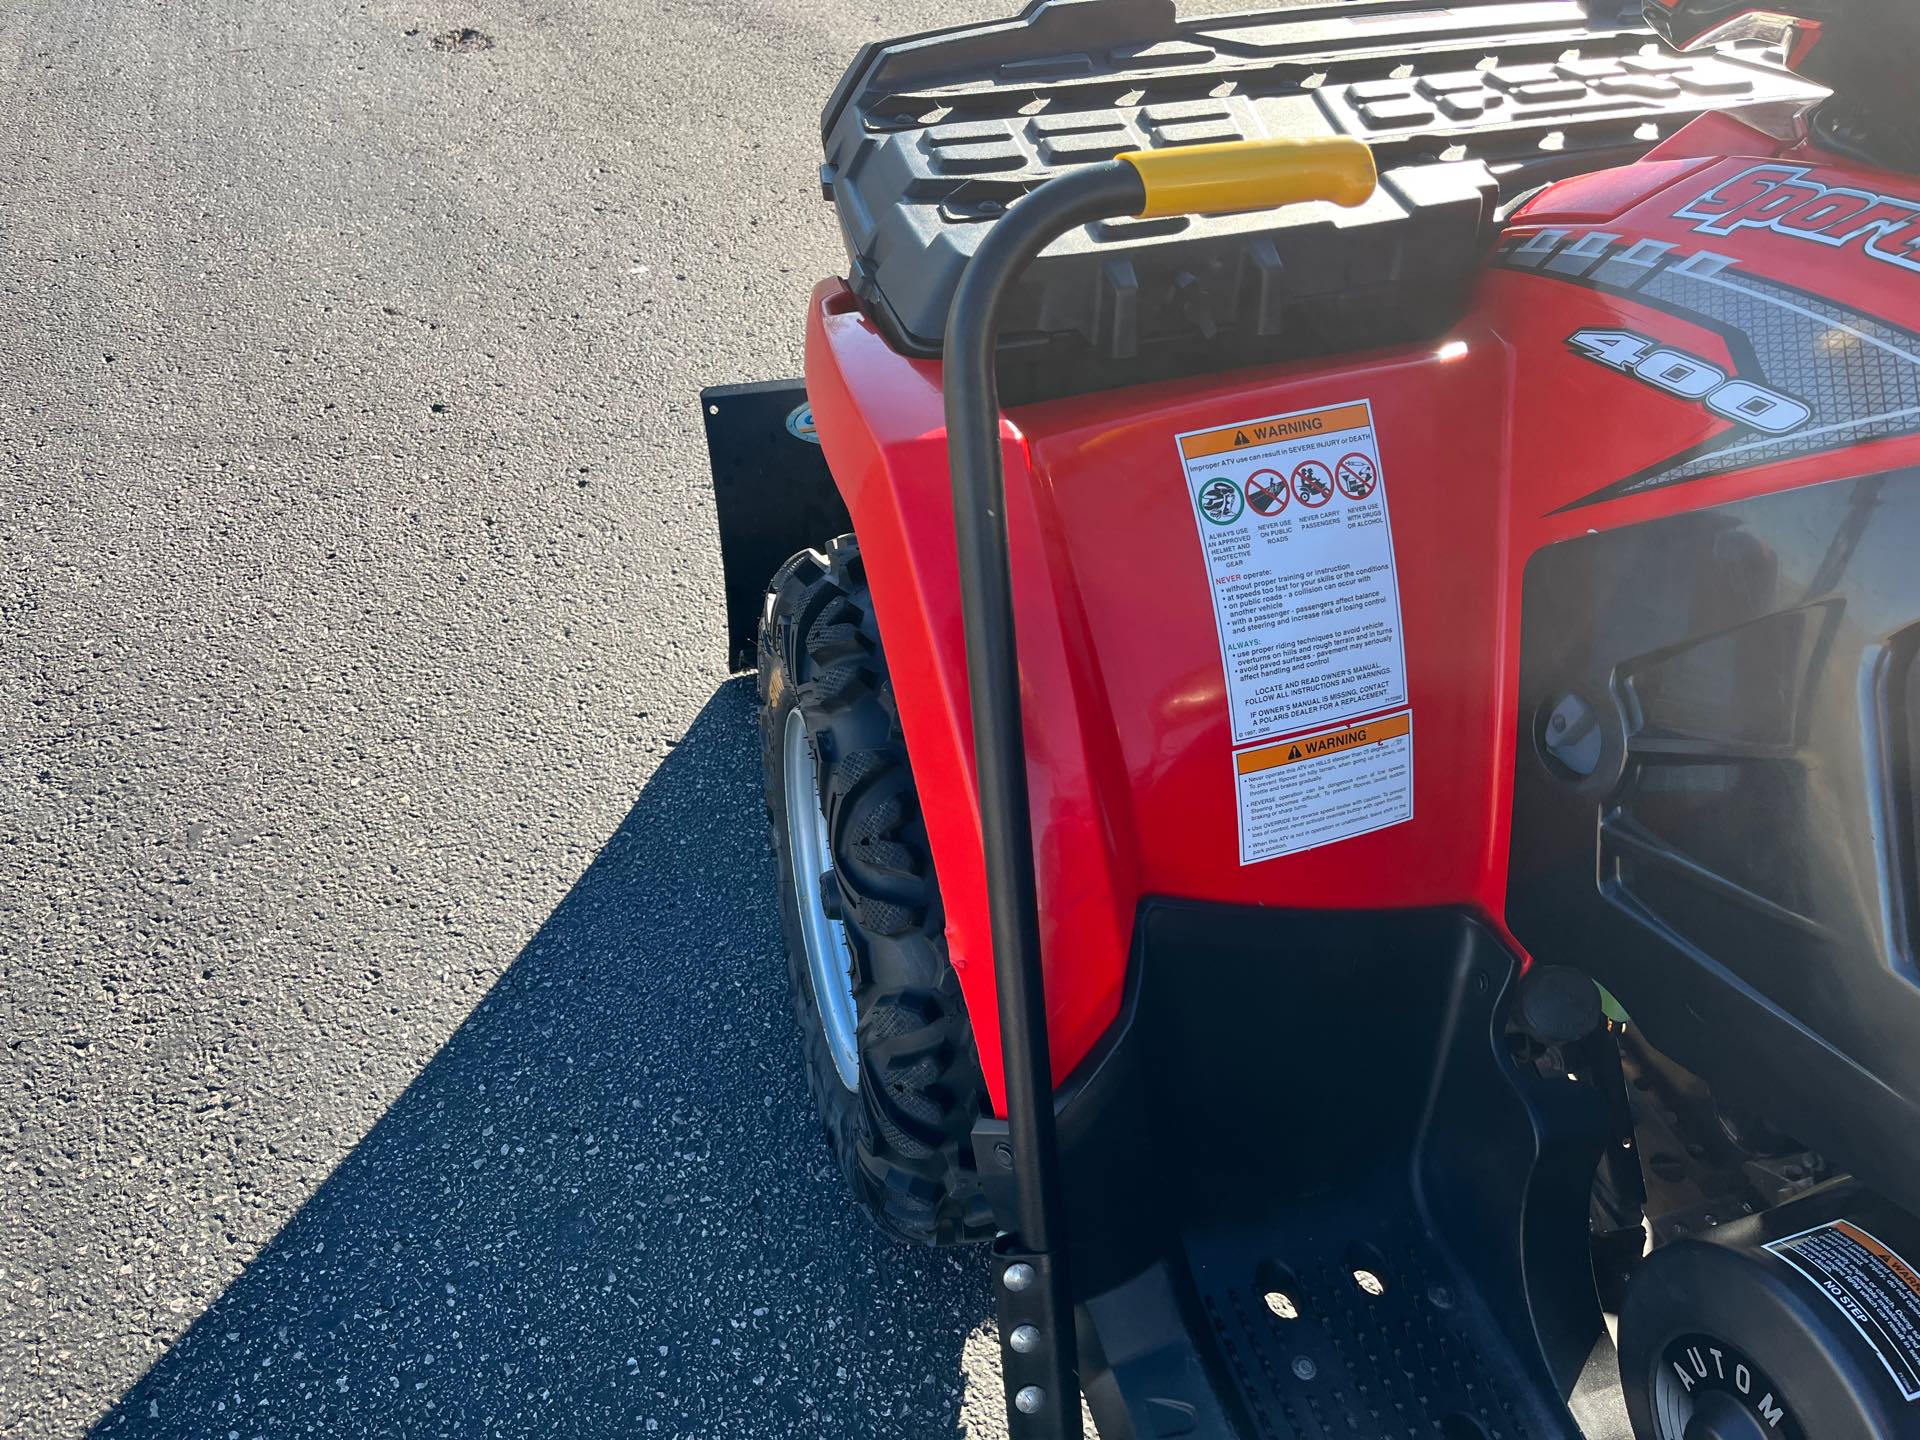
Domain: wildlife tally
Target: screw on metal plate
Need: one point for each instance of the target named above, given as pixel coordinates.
(1025, 1339)
(1019, 1276)
(1028, 1399)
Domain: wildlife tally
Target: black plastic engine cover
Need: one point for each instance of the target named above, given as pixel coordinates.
(1734, 856)
(930, 139)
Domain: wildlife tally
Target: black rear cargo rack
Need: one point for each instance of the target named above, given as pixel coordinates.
(928, 139)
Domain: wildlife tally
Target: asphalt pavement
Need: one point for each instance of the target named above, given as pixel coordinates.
(395, 1029)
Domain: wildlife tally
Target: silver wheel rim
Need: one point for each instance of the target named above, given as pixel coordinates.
(829, 961)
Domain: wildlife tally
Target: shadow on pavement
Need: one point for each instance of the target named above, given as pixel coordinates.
(604, 1208)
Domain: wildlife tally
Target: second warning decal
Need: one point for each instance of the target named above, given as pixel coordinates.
(1312, 790)
(1292, 513)
(1877, 1290)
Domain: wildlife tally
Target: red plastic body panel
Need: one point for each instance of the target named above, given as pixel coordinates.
(1486, 440)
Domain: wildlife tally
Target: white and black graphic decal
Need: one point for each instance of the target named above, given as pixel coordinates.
(1855, 378)
(1691, 377)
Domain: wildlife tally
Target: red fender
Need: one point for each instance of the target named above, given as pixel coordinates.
(1496, 442)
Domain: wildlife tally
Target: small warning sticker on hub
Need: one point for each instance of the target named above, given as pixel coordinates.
(1311, 790)
(1292, 514)
(1877, 1290)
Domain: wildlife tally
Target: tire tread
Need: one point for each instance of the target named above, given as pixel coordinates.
(905, 1141)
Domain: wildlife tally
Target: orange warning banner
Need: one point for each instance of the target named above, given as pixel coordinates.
(1314, 747)
(1903, 1271)
(1272, 432)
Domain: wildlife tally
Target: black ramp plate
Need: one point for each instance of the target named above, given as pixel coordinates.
(772, 493)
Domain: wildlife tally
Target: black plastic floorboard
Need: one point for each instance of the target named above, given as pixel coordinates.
(1416, 1359)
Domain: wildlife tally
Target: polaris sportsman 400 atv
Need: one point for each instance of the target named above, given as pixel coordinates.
(1364, 829)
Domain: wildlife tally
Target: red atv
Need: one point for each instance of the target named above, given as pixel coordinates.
(1441, 866)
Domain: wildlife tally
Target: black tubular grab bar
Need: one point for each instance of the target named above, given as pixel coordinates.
(1033, 1296)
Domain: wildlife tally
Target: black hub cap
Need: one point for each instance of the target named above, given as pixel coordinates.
(1718, 1416)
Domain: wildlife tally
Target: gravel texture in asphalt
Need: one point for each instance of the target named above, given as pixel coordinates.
(395, 1029)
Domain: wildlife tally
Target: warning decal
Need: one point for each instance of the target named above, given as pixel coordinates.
(1316, 789)
(1292, 515)
(1872, 1286)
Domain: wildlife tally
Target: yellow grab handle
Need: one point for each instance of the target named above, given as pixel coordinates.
(1241, 175)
